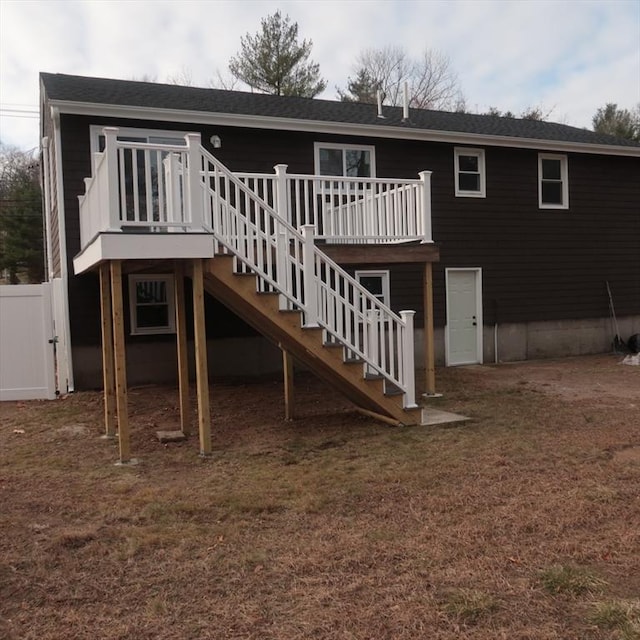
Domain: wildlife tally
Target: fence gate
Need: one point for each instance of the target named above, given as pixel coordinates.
(27, 367)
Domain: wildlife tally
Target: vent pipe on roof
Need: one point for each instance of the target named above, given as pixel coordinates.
(405, 109)
(379, 98)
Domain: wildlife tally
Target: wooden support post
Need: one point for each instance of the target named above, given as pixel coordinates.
(119, 360)
(202, 377)
(108, 373)
(429, 355)
(287, 367)
(181, 349)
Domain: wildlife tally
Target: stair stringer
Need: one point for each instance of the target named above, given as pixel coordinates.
(261, 310)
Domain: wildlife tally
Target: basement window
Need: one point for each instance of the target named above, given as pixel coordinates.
(469, 172)
(151, 304)
(376, 283)
(553, 181)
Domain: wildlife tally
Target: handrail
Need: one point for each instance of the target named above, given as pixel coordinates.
(347, 209)
(287, 261)
(185, 188)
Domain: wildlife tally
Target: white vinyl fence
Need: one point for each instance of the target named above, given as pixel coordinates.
(27, 370)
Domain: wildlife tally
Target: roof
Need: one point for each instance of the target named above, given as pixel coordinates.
(66, 89)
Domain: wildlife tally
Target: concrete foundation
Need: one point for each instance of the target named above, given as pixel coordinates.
(157, 362)
(536, 340)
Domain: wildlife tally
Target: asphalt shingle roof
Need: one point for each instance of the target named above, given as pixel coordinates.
(165, 96)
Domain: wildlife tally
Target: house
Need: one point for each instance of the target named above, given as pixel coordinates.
(500, 233)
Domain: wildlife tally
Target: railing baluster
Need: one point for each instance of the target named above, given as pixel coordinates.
(240, 212)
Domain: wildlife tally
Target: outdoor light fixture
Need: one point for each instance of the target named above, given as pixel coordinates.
(216, 142)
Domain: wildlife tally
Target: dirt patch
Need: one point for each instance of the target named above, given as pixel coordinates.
(592, 378)
(630, 454)
(331, 526)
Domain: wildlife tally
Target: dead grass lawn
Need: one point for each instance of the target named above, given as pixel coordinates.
(521, 524)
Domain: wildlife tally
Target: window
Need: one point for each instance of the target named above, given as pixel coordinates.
(376, 283)
(151, 304)
(136, 135)
(344, 160)
(553, 182)
(469, 172)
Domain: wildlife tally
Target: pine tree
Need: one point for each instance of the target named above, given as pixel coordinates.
(362, 88)
(621, 123)
(273, 61)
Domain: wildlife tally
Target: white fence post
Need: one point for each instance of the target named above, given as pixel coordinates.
(309, 276)
(193, 183)
(408, 366)
(113, 187)
(425, 177)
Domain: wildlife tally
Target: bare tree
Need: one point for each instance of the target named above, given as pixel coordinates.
(529, 113)
(432, 82)
(145, 77)
(182, 77)
(21, 227)
(228, 82)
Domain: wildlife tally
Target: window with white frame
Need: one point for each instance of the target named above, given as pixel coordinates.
(352, 161)
(151, 304)
(469, 170)
(553, 181)
(376, 283)
(130, 134)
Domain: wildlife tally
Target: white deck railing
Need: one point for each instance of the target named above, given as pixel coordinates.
(346, 209)
(270, 222)
(139, 185)
(288, 262)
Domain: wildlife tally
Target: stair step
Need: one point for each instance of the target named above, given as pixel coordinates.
(261, 310)
(373, 376)
(392, 390)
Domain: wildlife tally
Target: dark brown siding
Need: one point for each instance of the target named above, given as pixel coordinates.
(536, 264)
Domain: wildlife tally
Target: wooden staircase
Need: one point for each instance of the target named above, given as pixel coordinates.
(240, 292)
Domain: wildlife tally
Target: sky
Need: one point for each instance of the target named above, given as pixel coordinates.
(569, 57)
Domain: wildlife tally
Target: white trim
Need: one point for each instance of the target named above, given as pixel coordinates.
(482, 172)
(315, 126)
(384, 275)
(45, 166)
(62, 239)
(143, 246)
(168, 279)
(338, 145)
(479, 318)
(564, 179)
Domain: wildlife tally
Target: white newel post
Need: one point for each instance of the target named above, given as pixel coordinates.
(172, 187)
(425, 178)
(113, 188)
(282, 209)
(310, 283)
(408, 373)
(373, 340)
(196, 208)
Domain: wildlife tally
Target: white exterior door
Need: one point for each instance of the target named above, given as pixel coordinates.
(464, 316)
(26, 343)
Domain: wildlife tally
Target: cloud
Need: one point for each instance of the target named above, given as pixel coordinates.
(571, 55)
